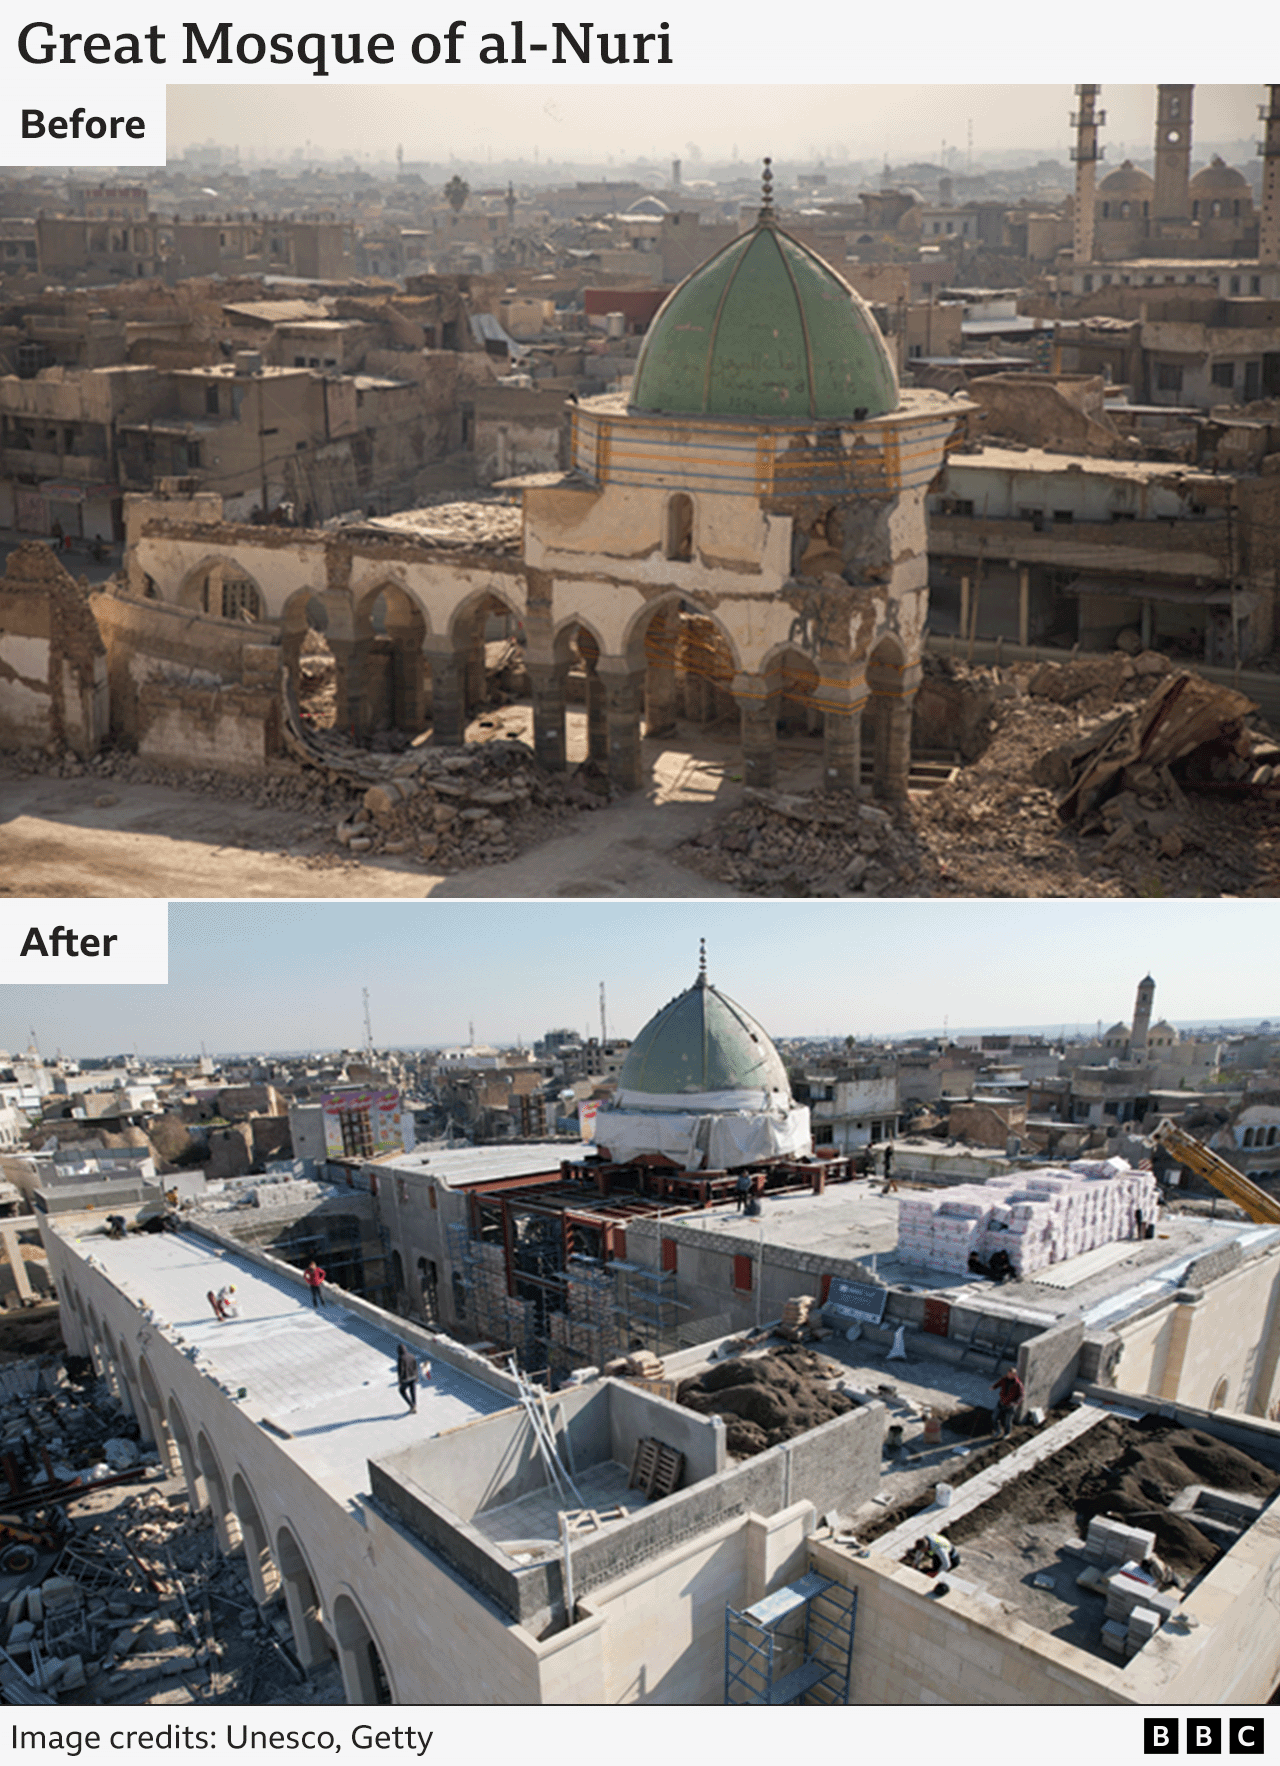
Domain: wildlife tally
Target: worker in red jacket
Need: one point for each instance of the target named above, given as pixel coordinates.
(313, 1276)
(1009, 1395)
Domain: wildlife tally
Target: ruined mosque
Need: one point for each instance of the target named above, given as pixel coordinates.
(744, 529)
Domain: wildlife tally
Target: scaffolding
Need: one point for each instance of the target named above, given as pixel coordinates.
(793, 1647)
(646, 1308)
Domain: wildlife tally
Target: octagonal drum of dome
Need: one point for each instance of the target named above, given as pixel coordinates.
(766, 329)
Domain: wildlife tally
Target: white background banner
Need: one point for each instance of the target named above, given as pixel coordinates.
(98, 941)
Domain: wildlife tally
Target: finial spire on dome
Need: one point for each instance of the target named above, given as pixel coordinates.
(767, 215)
(702, 962)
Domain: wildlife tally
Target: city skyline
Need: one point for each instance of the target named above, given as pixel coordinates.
(515, 970)
(563, 123)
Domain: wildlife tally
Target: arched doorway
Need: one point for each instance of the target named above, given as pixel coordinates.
(390, 629)
(226, 1526)
(892, 684)
(264, 1577)
(170, 1458)
(302, 1600)
(197, 1494)
(364, 1674)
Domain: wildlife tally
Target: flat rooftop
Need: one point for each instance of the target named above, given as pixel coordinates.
(855, 1220)
(324, 1375)
(457, 1167)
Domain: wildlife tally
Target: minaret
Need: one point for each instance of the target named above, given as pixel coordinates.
(1086, 153)
(1141, 1019)
(1269, 148)
(1173, 153)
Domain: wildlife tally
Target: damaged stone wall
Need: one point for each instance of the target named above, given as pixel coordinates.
(1063, 415)
(53, 671)
(156, 649)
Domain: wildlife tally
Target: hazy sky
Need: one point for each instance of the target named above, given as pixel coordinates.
(568, 122)
(263, 976)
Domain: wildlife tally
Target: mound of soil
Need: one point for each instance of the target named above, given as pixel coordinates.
(1159, 1461)
(767, 1399)
(1130, 1471)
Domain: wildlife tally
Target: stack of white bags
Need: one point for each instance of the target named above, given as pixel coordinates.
(1038, 1217)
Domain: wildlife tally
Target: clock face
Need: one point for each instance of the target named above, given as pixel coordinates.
(1173, 137)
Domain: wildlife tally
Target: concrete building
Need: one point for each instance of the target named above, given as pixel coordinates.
(1040, 547)
(423, 1551)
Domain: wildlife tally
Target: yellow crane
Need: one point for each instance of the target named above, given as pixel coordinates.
(1233, 1184)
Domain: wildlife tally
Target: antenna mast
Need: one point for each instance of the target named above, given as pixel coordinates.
(368, 1028)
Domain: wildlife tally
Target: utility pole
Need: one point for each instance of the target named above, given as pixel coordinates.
(603, 1033)
(368, 1028)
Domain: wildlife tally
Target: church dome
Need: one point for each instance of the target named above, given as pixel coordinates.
(703, 1043)
(1127, 180)
(765, 328)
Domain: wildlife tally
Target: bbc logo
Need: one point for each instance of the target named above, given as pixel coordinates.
(1204, 1735)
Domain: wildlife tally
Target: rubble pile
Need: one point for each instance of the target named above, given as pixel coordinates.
(116, 1593)
(451, 808)
(1107, 776)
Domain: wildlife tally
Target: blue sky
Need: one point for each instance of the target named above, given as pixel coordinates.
(277, 975)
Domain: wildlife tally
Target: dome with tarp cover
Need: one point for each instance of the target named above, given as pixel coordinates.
(704, 1086)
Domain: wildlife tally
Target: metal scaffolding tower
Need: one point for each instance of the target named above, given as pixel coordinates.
(793, 1647)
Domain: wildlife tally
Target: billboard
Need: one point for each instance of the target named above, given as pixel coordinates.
(361, 1122)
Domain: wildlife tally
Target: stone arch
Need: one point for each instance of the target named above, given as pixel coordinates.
(162, 1433)
(264, 1577)
(796, 674)
(222, 588)
(1248, 1138)
(689, 657)
(226, 1525)
(111, 1366)
(458, 687)
(305, 625)
(97, 1354)
(576, 642)
(74, 1333)
(197, 1493)
(364, 1665)
(891, 682)
(129, 1377)
(390, 631)
(302, 1600)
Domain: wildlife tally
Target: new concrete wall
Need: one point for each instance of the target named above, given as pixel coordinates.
(1048, 1365)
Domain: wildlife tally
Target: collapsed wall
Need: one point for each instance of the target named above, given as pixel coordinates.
(53, 677)
(1039, 1218)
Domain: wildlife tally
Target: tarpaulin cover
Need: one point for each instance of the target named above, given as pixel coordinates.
(714, 1139)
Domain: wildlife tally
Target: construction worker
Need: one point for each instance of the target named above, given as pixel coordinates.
(228, 1306)
(742, 1189)
(313, 1276)
(1009, 1394)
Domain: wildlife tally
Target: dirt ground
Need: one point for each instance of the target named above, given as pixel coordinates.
(1130, 1471)
(118, 827)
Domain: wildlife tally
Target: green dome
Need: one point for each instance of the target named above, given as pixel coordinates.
(702, 1043)
(765, 328)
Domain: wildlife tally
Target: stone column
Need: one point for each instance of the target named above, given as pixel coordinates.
(842, 704)
(1024, 606)
(660, 679)
(476, 686)
(546, 682)
(348, 684)
(893, 736)
(757, 702)
(623, 688)
(597, 718)
(448, 693)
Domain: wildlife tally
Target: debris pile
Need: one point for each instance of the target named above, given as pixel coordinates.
(767, 1399)
(116, 1593)
(1108, 776)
